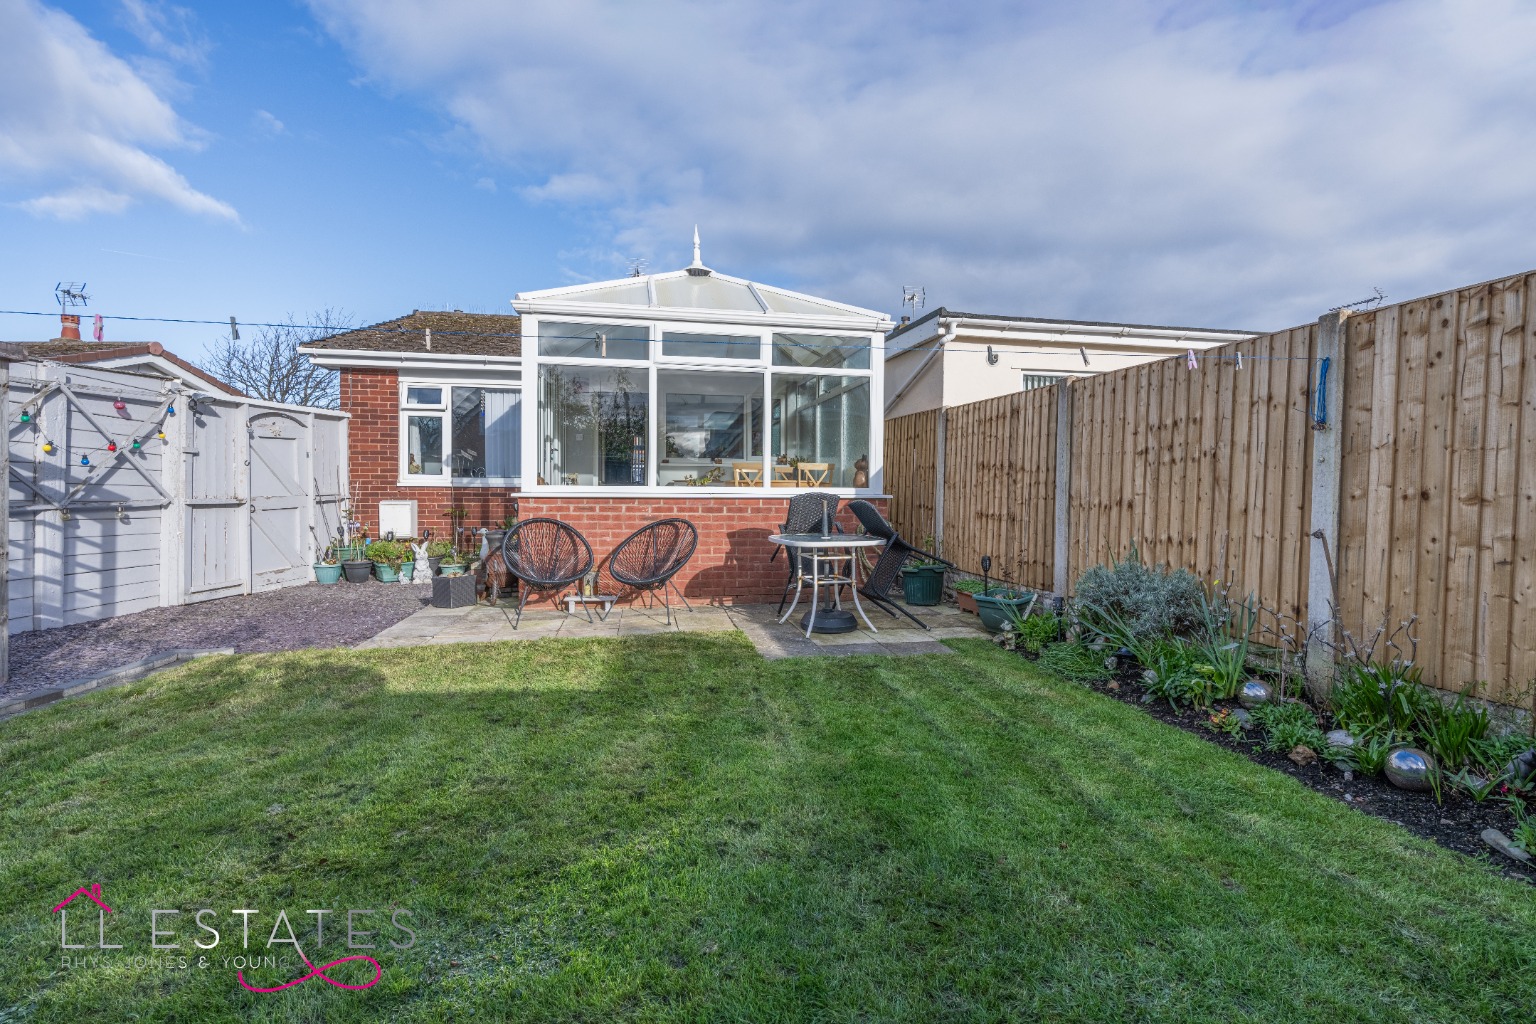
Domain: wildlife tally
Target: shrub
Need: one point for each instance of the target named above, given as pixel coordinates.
(1177, 672)
(1037, 631)
(1289, 724)
(439, 548)
(968, 586)
(1226, 628)
(1381, 700)
(1127, 601)
(388, 552)
(1451, 730)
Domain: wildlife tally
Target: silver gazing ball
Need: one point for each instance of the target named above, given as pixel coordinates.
(1340, 738)
(1254, 693)
(1410, 769)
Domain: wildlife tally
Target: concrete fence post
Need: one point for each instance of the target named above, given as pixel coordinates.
(5, 526)
(938, 481)
(1327, 395)
(1062, 547)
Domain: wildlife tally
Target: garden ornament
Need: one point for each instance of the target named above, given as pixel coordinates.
(1340, 738)
(1254, 693)
(1411, 769)
(1523, 767)
(419, 556)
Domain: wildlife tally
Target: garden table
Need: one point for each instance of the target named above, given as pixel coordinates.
(828, 556)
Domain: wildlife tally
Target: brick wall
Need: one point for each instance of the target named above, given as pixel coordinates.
(373, 398)
(731, 565)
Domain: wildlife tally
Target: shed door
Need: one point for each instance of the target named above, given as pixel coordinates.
(279, 501)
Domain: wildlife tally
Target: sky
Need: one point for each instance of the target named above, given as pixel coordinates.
(1241, 165)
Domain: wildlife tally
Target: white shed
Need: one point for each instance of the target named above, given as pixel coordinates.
(129, 491)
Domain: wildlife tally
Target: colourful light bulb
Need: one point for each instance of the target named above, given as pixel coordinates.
(111, 446)
(161, 435)
(136, 445)
(85, 460)
(170, 410)
(47, 446)
(119, 405)
(26, 417)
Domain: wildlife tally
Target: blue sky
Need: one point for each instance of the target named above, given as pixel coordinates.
(1211, 164)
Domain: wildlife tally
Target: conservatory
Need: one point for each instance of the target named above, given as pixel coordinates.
(693, 379)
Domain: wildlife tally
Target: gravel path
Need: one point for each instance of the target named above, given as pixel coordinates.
(338, 615)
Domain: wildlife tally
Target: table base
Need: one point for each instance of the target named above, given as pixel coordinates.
(833, 620)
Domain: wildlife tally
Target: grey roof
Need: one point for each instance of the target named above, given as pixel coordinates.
(477, 334)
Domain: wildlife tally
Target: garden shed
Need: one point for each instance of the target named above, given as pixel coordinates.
(130, 491)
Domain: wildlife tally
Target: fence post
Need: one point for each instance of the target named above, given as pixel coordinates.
(938, 481)
(1327, 465)
(5, 524)
(1062, 546)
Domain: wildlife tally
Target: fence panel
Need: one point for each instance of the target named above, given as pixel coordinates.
(911, 466)
(1440, 482)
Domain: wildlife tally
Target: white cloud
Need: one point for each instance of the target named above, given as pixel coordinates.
(268, 124)
(1232, 164)
(168, 30)
(78, 122)
(486, 185)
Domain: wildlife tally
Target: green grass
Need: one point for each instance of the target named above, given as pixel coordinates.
(670, 828)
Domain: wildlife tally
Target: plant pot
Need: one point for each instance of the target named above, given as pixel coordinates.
(451, 570)
(433, 561)
(327, 573)
(408, 571)
(348, 552)
(386, 573)
(966, 600)
(357, 571)
(998, 607)
(922, 584)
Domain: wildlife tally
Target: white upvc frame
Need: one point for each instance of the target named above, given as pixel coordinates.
(444, 410)
(533, 361)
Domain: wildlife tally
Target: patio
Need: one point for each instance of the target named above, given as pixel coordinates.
(758, 622)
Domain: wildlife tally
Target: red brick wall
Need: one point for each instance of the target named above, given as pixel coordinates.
(731, 565)
(373, 399)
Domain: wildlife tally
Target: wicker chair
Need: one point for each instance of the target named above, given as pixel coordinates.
(805, 515)
(887, 571)
(647, 559)
(545, 555)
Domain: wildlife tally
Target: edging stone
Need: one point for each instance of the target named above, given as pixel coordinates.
(112, 677)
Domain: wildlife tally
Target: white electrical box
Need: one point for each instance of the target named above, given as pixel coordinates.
(398, 517)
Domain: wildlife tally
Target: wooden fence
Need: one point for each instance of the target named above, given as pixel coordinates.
(1415, 495)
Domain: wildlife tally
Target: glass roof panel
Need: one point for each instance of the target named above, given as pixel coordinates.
(781, 302)
(704, 293)
(629, 292)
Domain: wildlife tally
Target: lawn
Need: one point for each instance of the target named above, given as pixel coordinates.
(670, 828)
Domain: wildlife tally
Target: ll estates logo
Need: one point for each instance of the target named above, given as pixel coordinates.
(170, 950)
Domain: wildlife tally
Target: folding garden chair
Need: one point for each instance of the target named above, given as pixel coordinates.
(883, 577)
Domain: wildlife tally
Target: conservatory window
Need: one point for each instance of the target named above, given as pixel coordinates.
(593, 341)
(820, 429)
(593, 422)
(820, 351)
(710, 346)
(710, 428)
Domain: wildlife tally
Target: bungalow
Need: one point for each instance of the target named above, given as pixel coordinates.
(612, 404)
(949, 358)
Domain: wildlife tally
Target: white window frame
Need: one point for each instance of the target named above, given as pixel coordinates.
(443, 410)
(763, 364)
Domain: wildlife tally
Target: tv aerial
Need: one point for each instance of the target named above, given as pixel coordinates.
(638, 266)
(70, 294)
(1363, 304)
(915, 296)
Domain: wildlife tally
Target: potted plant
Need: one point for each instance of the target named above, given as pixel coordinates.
(357, 566)
(922, 582)
(437, 551)
(388, 557)
(1000, 607)
(965, 594)
(328, 569)
(453, 563)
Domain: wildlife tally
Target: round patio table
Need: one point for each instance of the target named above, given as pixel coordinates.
(832, 565)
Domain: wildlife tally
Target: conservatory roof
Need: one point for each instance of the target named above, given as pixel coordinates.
(698, 293)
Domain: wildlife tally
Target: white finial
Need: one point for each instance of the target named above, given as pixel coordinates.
(697, 267)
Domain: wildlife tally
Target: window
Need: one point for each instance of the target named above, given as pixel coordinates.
(593, 341)
(462, 432)
(821, 351)
(1038, 380)
(593, 422)
(710, 426)
(710, 346)
(820, 429)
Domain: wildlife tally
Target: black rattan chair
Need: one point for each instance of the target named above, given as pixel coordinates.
(805, 516)
(545, 555)
(887, 571)
(647, 559)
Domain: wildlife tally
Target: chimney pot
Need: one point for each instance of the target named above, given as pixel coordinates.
(69, 327)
